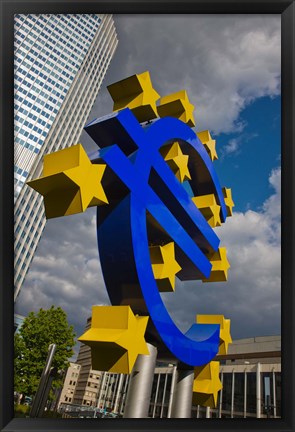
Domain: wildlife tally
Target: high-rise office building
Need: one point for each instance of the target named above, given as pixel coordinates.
(59, 64)
(18, 322)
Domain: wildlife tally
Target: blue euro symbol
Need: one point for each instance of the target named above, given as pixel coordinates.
(148, 205)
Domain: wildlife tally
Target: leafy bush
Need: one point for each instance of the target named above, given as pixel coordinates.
(21, 410)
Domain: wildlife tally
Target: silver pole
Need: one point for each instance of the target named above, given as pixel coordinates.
(274, 394)
(258, 391)
(221, 395)
(140, 385)
(114, 392)
(42, 405)
(163, 397)
(119, 391)
(156, 396)
(172, 391)
(102, 384)
(232, 394)
(123, 398)
(108, 391)
(183, 394)
(43, 382)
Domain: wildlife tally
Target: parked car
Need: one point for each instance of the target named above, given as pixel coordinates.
(28, 400)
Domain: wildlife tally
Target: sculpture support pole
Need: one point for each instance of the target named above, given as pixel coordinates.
(140, 385)
(183, 394)
(258, 391)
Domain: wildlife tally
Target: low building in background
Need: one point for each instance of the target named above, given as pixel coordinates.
(251, 377)
(250, 373)
(70, 383)
(161, 397)
(89, 382)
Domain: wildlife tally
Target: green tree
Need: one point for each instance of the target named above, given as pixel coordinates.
(31, 344)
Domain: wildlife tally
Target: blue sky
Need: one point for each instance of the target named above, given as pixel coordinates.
(246, 158)
(230, 66)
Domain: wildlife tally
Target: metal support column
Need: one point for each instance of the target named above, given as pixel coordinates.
(102, 384)
(119, 394)
(183, 394)
(232, 394)
(164, 395)
(220, 399)
(124, 392)
(42, 391)
(108, 391)
(208, 412)
(173, 380)
(156, 396)
(258, 391)
(274, 394)
(140, 385)
(114, 391)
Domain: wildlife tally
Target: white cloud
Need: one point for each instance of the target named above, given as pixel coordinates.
(224, 62)
(251, 297)
(66, 272)
(232, 146)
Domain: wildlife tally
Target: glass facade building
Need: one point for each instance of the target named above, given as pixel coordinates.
(18, 322)
(59, 64)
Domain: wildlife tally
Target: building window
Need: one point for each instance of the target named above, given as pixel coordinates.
(226, 392)
(278, 393)
(266, 392)
(251, 392)
(239, 392)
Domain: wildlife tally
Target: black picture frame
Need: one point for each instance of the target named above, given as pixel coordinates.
(287, 10)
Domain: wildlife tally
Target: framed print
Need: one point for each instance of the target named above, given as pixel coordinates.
(184, 115)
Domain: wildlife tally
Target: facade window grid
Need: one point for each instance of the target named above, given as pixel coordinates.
(28, 47)
(17, 276)
(73, 125)
(61, 129)
(42, 75)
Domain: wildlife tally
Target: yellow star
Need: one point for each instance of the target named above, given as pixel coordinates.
(137, 93)
(116, 338)
(176, 160)
(206, 384)
(70, 182)
(164, 266)
(220, 266)
(209, 209)
(209, 144)
(224, 336)
(177, 105)
(228, 201)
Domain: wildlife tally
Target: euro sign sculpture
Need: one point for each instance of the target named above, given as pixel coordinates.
(159, 200)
